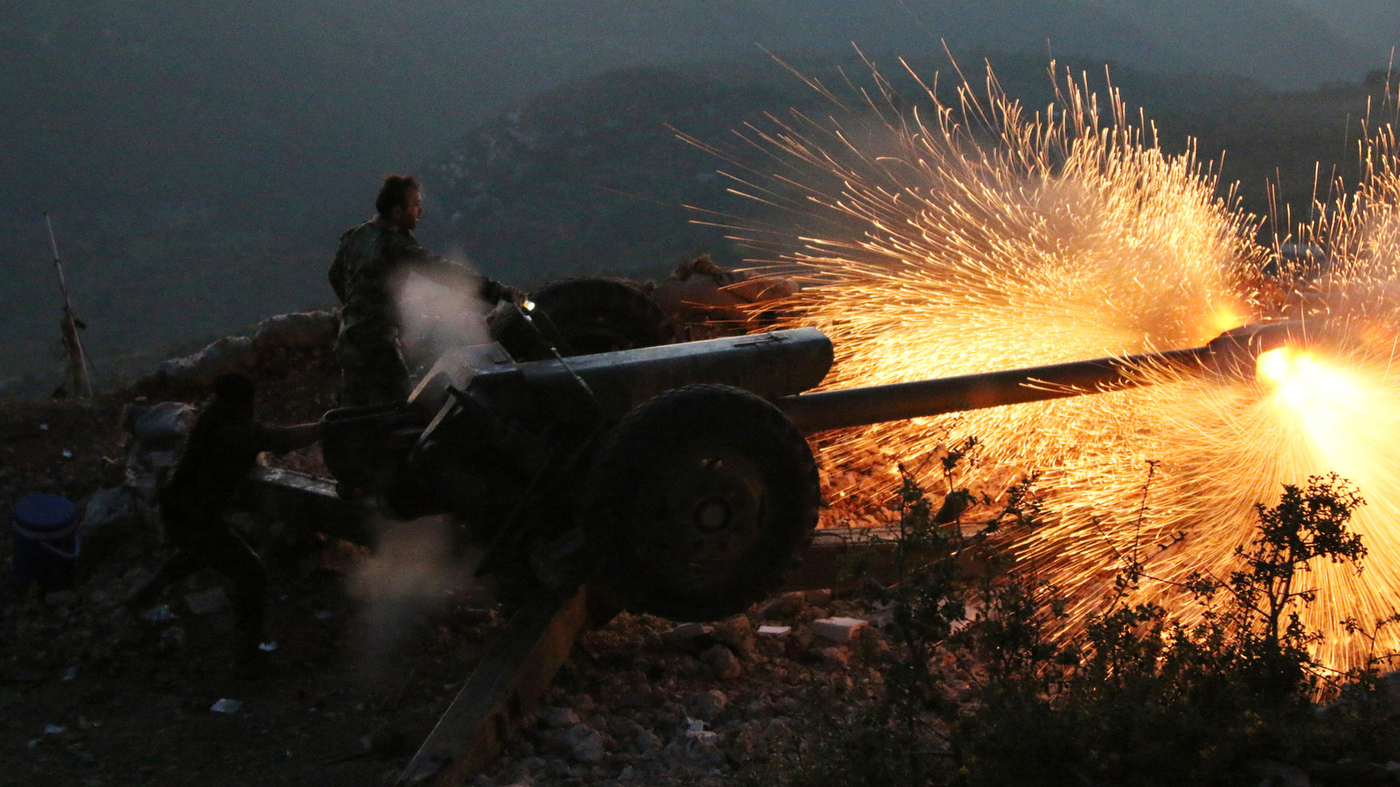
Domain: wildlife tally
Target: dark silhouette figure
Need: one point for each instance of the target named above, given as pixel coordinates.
(222, 450)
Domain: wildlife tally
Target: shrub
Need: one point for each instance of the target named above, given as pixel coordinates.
(1133, 697)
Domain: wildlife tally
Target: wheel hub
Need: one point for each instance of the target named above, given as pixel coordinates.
(712, 515)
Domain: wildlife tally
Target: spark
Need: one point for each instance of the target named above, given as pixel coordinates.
(973, 236)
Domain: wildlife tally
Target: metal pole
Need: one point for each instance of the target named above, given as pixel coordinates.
(72, 342)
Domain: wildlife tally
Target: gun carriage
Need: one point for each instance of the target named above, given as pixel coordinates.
(677, 476)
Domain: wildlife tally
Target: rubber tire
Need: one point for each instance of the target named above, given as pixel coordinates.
(582, 317)
(743, 472)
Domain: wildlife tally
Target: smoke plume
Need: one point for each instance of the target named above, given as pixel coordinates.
(438, 312)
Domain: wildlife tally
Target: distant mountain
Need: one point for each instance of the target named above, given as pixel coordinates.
(1374, 24)
(200, 159)
(590, 178)
(1272, 41)
(248, 106)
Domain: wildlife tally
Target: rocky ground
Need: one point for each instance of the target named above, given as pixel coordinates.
(644, 701)
(94, 693)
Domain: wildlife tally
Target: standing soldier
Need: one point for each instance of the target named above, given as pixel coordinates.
(372, 260)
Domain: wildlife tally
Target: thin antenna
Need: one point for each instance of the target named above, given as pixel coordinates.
(72, 343)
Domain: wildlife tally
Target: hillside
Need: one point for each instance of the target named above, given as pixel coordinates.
(585, 177)
(591, 178)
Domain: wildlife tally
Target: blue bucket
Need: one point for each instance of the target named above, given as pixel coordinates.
(45, 541)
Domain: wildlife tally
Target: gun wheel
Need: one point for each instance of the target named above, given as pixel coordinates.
(582, 317)
(700, 500)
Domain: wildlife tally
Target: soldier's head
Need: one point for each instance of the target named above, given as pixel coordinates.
(235, 391)
(399, 201)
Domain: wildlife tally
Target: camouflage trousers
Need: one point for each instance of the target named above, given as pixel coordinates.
(371, 372)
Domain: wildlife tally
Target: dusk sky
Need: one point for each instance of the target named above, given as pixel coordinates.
(274, 118)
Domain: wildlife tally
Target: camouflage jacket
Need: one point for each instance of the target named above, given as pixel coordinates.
(372, 255)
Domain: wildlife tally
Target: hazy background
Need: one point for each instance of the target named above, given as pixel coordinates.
(200, 164)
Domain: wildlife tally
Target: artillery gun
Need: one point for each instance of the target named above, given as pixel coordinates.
(678, 476)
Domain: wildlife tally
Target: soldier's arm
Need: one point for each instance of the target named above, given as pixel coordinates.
(405, 249)
(256, 438)
(493, 291)
(282, 439)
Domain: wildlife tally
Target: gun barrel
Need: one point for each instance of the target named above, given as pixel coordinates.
(1226, 354)
(772, 365)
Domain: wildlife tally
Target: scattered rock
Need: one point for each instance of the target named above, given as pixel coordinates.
(703, 737)
(722, 662)
(559, 718)
(161, 425)
(226, 706)
(1277, 774)
(106, 508)
(297, 331)
(701, 748)
(585, 743)
(788, 605)
(706, 705)
(645, 741)
(838, 629)
(157, 614)
(738, 634)
(882, 615)
(834, 659)
(208, 602)
(229, 354)
(686, 632)
(583, 703)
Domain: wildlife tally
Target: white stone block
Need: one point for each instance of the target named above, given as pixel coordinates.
(838, 629)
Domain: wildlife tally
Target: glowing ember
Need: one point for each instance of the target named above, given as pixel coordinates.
(1276, 366)
(1309, 391)
(937, 249)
